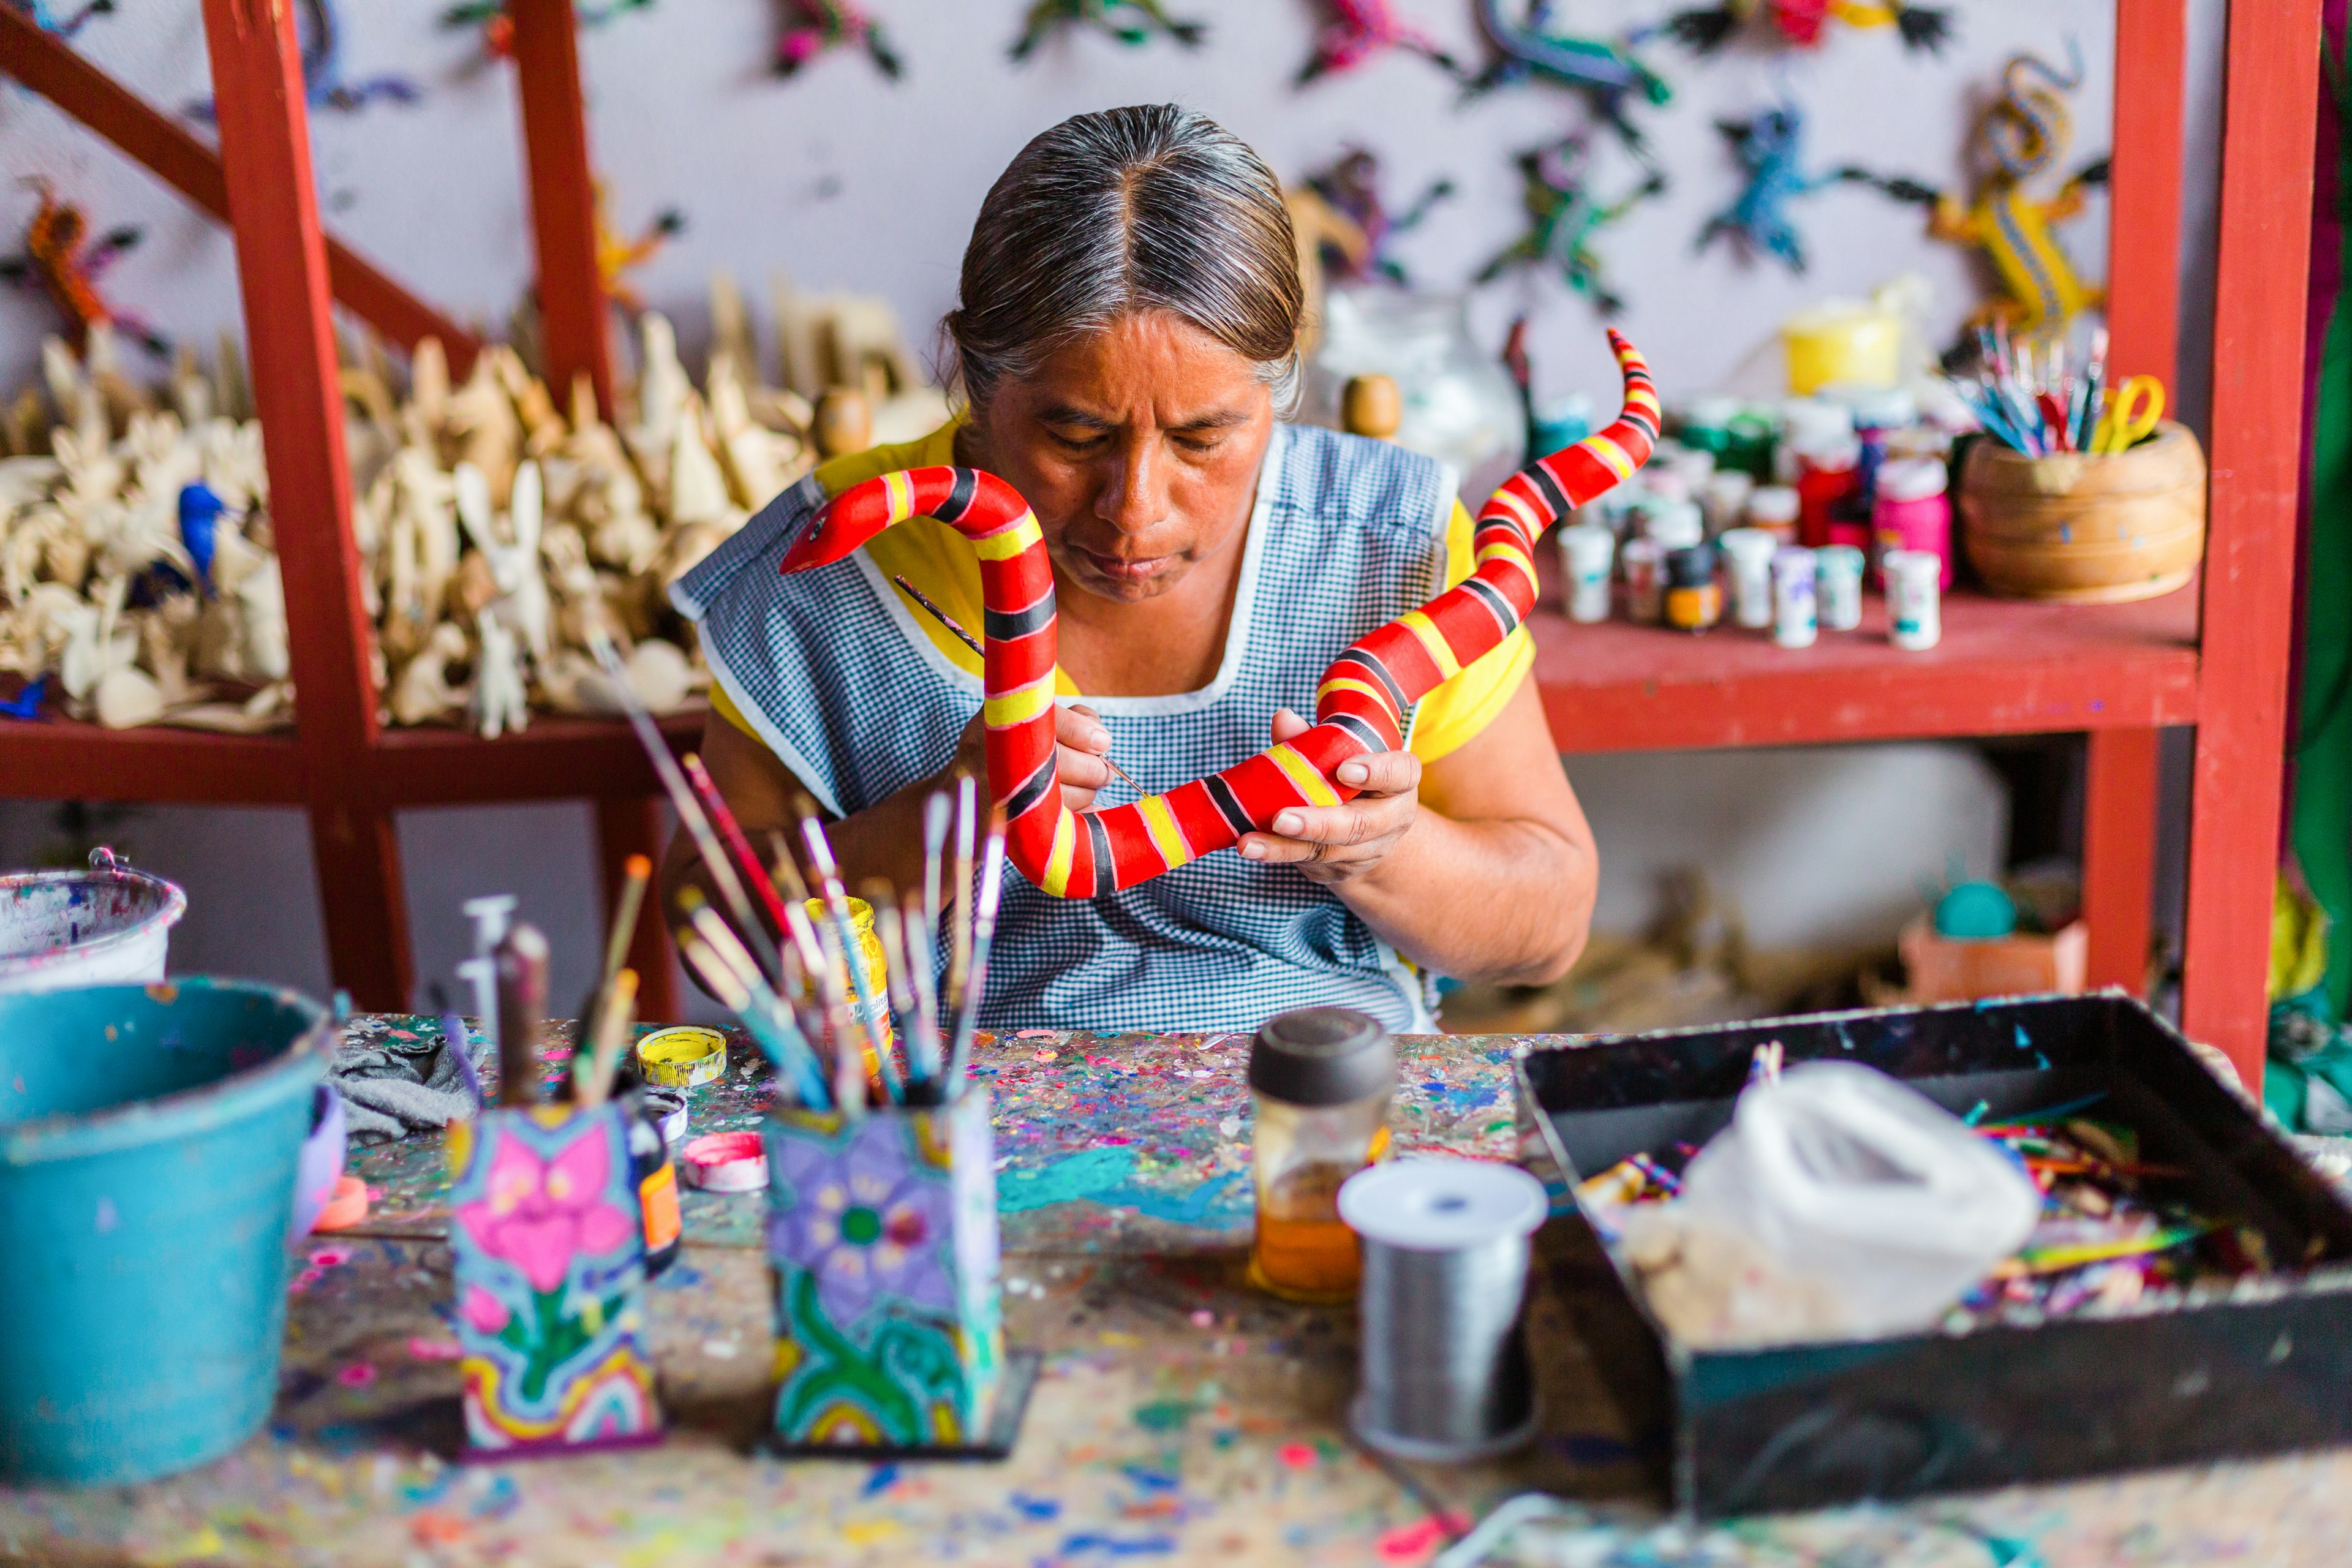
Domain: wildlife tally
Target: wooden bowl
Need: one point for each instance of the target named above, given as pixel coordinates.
(2082, 529)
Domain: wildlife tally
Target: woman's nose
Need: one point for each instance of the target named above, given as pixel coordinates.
(1136, 499)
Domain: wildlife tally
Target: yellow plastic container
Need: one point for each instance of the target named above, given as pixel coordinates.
(870, 963)
(1842, 342)
(682, 1057)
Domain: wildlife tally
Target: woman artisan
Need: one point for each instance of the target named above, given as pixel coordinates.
(1125, 342)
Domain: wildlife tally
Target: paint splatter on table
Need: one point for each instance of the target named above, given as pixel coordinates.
(1130, 1142)
(1179, 1418)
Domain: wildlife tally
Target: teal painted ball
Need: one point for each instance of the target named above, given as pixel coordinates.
(1975, 911)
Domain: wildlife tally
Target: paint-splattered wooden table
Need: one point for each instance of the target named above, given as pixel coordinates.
(1179, 1416)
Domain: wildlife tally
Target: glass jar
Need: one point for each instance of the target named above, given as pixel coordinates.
(1320, 1083)
(1459, 405)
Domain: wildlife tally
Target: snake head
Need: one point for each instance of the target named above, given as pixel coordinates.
(841, 525)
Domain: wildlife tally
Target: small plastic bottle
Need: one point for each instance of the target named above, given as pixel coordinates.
(1773, 510)
(1747, 561)
(1915, 618)
(1694, 602)
(1838, 579)
(1645, 580)
(1585, 553)
(1795, 619)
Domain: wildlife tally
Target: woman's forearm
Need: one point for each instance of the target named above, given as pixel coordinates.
(1504, 899)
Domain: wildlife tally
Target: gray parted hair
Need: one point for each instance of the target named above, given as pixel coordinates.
(1144, 208)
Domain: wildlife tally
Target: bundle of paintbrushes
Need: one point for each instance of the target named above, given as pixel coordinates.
(841, 994)
(2038, 403)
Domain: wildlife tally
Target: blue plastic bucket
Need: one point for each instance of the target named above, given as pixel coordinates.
(148, 1140)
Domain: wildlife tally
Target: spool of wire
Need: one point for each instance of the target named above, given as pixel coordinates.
(1444, 1368)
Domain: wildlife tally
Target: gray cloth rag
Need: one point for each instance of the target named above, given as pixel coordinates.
(396, 1077)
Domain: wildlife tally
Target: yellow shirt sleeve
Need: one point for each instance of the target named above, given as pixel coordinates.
(1450, 716)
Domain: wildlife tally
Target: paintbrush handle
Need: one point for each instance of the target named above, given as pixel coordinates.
(521, 961)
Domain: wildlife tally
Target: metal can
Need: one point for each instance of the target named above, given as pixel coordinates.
(871, 965)
(1915, 618)
(1838, 568)
(1794, 624)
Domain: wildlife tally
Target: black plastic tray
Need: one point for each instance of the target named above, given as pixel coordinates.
(2259, 1365)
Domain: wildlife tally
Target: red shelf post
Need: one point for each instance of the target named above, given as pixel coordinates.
(281, 262)
(2258, 382)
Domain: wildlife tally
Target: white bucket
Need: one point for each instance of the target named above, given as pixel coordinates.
(109, 925)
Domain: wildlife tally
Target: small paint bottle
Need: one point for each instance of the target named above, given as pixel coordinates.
(1675, 525)
(1914, 617)
(874, 968)
(1747, 561)
(1585, 553)
(1645, 580)
(1794, 622)
(1838, 573)
(1694, 602)
(1913, 512)
(1724, 499)
(1773, 508)
(1828, 473)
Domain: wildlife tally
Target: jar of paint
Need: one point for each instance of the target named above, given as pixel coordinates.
(1694, 602)
(1646, 580)
(1913, 512)
(1773, 508)
(1662, 486)
(1724, 499)
(1748, 557)
(1794, 622)
(1828, 472)
(1677, 525)
(1843, 341)
(873, 967)
(1320, 1081)
(1915, 619)
(1585, 553)
(1838, 579)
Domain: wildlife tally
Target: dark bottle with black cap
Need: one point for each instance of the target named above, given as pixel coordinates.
(1320, 1083)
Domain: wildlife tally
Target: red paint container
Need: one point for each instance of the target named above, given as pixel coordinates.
(1912, 512)
(1828, 473)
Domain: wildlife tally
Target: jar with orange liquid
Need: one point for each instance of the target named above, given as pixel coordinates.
(1320, 1083)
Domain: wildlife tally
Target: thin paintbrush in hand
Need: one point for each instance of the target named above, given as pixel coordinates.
(837, 903)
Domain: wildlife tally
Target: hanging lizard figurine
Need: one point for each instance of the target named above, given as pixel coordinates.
(1607, 73)
(1131, 22)
(1802, 23)
(1563, 218)
(1771, 147)
(2024, 135)
(497, 28)
(62, 260)
(323, 83)
(1351, 187)
(1359, 30)
(617, 255)
(821, 26)
(49, 21)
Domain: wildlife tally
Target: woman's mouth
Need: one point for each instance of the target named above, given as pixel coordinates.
(1126, 572)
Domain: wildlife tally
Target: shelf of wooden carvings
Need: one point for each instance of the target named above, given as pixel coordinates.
(554, 759)
(2003, 667)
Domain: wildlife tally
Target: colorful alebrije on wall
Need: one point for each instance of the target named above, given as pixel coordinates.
(62, 260)
(550, 1278)
(1606, 71)
(882, 1232)
(1131, 22)
(324, 86)
(1360, 707)
(1770, 148)
(1563, 217)
(1351, 188)
(1357, 30)
(1800, 23)
(814, 27)
(618, 254)
(497, 28)
(2023, 136)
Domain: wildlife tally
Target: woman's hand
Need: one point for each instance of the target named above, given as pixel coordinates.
(1335, 844)
(1084, 742)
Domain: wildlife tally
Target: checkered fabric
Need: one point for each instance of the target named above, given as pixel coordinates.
(829, 669)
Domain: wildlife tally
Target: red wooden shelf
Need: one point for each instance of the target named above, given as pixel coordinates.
(555, 759)
(2002, 668)
(60, 759)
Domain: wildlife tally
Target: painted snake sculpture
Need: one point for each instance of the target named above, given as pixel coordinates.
(1359, 708)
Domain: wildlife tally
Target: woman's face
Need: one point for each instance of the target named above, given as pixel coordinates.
(1137, 447)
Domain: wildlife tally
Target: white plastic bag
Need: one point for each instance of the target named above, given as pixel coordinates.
(1876, 1208)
